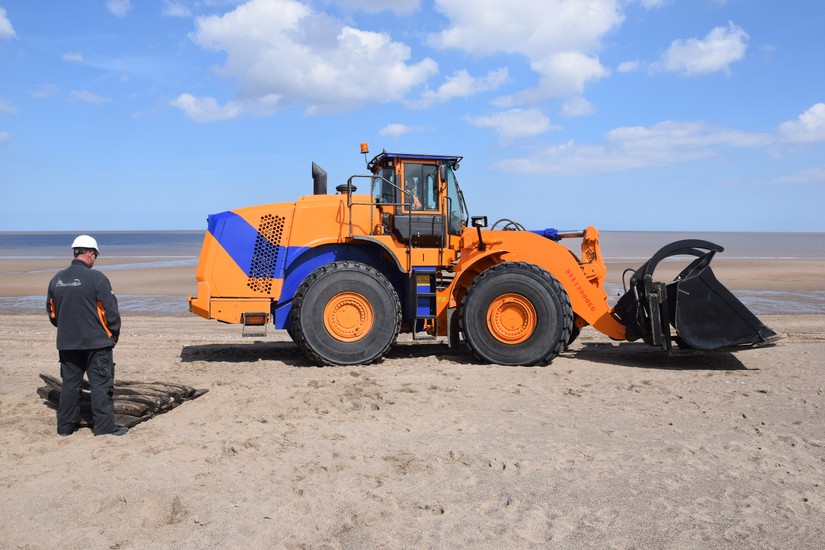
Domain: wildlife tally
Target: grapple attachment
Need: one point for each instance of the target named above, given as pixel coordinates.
(706, 316)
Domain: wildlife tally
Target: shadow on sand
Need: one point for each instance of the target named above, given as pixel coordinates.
(620, 354)
(290, 354)
(639, 355)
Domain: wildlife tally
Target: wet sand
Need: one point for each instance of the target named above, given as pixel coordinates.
(31, 277)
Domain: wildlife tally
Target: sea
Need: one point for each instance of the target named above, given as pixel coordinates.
(153, 248)
(181, 248)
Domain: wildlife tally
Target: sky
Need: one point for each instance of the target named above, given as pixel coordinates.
(649, 115)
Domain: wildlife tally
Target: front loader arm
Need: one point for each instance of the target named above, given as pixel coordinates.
(582, 280)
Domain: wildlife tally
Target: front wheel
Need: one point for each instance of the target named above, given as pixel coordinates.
(345, 313)
(516, 313)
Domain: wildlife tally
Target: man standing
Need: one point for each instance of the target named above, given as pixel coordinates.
(84, 309)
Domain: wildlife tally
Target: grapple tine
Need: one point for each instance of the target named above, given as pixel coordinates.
(704, 314)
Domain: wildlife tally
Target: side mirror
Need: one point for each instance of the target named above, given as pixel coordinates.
(478, 222)
(442, 172)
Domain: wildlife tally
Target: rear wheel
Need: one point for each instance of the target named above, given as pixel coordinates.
(345, 313)
(516, 313)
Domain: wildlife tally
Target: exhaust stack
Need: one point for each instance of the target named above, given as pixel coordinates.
(319, 180)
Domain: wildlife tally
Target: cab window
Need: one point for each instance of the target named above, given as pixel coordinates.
(421, 186)
(381, 190)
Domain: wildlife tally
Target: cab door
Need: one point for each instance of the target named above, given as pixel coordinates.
(419, 220)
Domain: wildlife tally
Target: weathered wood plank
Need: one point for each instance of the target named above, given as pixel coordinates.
(133, 401)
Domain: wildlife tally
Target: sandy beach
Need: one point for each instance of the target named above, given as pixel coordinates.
(613, 445)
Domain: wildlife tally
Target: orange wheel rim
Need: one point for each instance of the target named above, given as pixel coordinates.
(511, 318)
(348, 316)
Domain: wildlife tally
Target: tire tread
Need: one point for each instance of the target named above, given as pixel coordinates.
(557, 288)
(300, 294)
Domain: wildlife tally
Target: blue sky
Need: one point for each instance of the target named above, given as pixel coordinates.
(671, 115)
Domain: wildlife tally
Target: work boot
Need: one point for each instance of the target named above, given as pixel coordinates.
(119, 431)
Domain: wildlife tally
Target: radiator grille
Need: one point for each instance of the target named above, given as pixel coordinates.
(265, 255)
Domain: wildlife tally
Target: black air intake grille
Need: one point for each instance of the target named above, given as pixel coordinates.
(265, 255)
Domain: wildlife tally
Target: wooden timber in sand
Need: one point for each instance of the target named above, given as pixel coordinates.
(134, 401)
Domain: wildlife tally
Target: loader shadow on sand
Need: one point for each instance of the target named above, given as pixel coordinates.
(621, 354)
(642, 356)
(438, 350)
(290, 354)
(287, 352)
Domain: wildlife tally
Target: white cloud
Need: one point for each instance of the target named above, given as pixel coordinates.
(206, 109)
(397, 130)
(694, 136)
(74, 57)
(43, 91)
(630, 148)
(284, 49)
(650, 4)
(87, 97)
(399, 7)
(6, 107)
(560, 38)
(807, 128)
(4, 136)
(716, 52)
(515, 123)
(6, 30)
(814, 175)
(118, 8)
(175, 9)
(564, 73)
(525, 26)
(628, 67)
(462, 84)
(576, 107)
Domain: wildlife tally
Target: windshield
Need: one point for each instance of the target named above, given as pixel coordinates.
(458, 210)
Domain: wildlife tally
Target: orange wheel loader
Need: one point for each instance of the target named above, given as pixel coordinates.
(345, 273)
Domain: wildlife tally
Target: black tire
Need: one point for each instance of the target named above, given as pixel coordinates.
(345, 313)
(573, 335)
(516, 313)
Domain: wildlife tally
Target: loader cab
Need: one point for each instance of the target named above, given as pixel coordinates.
(419, 196)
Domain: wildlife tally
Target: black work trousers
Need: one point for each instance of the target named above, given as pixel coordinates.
(100, 369)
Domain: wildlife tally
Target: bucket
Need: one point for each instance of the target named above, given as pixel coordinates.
(695, 311)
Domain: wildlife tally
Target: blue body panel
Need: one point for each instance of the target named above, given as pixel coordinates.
(243, 243)
(246, 246)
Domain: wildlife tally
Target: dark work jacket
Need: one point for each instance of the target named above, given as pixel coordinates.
(84, 309)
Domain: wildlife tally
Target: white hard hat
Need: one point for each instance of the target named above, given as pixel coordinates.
(85, 241)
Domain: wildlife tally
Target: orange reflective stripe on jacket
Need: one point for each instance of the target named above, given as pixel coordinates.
(101, 313)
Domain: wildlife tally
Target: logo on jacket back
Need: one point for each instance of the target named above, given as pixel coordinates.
(60, 282)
